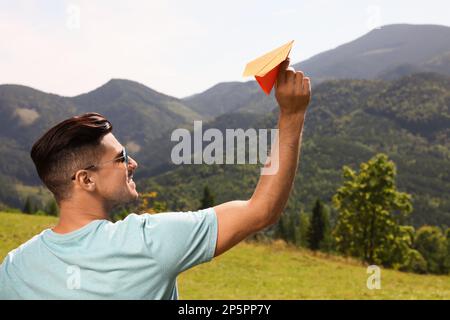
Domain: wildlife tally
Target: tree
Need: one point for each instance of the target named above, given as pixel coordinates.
(414, 262)
(370, 212)
(280, 230)
(319, 227)
(291, 224)
(52, 208)
(447, 259)
(148, 203)
(286, 228)
(301, 231)
(29, 206)
(398, 252)
(432, 244)
(208, 199)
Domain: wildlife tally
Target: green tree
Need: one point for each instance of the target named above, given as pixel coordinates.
(280, 230)
(398, 253)
(208, 199)
(286, 228)
(432, 244)
(52, 208)
(319, 227)
(414, 262)
(447, 259)
(29, 206)
(301, 230)
(291, 226)
(370, 212)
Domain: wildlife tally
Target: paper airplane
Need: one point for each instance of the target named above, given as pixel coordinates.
(265, 68)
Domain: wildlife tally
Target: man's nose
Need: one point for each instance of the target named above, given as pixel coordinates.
(133, 163)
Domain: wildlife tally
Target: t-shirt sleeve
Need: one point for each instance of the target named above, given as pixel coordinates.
(181, 240)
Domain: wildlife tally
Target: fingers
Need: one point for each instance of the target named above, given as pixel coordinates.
(298, 82)
(290, 76)
(281, 78)
(306, 86)
(292, 82)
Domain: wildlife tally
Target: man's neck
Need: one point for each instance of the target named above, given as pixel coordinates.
(76, 214)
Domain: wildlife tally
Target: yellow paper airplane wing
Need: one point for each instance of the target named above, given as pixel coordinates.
(264, 64)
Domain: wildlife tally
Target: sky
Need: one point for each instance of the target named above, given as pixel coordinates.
(178, 47)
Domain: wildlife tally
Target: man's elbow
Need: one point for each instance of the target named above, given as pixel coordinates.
(267, 216)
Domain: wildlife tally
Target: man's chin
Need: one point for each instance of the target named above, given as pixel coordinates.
(132, 195)
(135, 195)
(132, 190)
(126, 197)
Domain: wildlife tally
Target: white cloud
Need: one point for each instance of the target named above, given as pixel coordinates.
(111, 42)
(173, 46)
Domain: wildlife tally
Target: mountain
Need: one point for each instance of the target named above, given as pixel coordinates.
(26, 113)
(159, 160)
(138, 113)
(230, 97)
(391, 52)
(348, 122)
(129, 103)
(379, 52)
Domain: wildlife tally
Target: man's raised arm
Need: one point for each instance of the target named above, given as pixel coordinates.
(239, 219)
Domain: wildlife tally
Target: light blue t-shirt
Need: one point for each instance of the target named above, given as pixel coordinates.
(136, 258)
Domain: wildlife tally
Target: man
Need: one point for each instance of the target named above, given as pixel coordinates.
(85, 256)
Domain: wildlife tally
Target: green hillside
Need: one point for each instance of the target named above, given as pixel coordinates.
(256, 271)
(228, 97)
(263, 271)
(139, 115)
(348, 122)
(143, 113)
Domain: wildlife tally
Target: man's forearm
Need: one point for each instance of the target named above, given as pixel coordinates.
(272, 192)
(238, 219)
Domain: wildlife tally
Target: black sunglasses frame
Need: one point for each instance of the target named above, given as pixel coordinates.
(123, 156)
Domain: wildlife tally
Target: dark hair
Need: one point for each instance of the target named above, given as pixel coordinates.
(67, 147)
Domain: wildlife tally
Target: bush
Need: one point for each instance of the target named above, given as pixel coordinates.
(432, 244)
(415, 262)
(40, 213)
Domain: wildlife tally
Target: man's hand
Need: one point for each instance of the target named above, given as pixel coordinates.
(239, 219)
(293, 90)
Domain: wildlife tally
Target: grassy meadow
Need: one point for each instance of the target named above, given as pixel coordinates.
(263, 271)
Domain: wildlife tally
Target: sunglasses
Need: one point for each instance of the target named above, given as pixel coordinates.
(123, 157)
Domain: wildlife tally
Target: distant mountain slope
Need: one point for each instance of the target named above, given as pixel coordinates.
(348, 122)
(229, 97)
(139, 116)
(158, 160)
(422, 47)
(391, 52)
(26, 113)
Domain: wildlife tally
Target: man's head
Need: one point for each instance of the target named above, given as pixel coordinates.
(80, 156)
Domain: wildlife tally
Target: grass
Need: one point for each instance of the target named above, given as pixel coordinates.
(261, 271)
(16, 228)
(256, 271)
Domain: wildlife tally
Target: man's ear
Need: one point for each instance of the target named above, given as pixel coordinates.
(85, 180)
